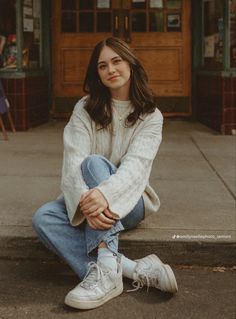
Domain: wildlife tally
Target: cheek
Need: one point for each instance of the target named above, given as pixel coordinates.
(100, 75)
(128, 74)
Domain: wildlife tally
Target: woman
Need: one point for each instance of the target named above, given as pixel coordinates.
(109, 146)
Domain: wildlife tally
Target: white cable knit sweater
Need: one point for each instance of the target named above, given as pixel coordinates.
(131, 149)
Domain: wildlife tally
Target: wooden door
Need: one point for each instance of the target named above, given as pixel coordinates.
(157, 30)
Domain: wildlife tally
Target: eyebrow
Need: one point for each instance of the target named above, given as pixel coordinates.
(115, 57)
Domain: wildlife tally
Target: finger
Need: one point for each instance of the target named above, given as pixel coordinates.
(105, 219)
(92, 222)
(92, 225)
(88, 205)
(102, 226)
(102, 223)
(85, 196)
(89, 210)
(96, 212)
(108, 213)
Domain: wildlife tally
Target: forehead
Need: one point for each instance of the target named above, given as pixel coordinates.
(107, 54)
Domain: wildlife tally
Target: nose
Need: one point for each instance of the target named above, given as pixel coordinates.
(111, 68)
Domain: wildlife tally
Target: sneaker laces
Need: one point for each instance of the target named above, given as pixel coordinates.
(144, 279)
(94, 274)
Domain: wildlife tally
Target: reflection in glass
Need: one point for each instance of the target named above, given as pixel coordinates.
(103, 22)
(156, 4)
(156, 22)
(138, 5)
(86, 22)
(8, 45)
(213, 34)
(232, 11)
(174, 22)
(138, 22)
(85, 4)
(68, 4)
(68, 22)
(103, 4)
(173, 4)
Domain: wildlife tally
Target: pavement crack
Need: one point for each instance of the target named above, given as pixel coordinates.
(213, 168)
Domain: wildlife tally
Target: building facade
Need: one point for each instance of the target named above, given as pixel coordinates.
(188, 48)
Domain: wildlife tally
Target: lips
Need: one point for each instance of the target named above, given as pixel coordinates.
(113, 78)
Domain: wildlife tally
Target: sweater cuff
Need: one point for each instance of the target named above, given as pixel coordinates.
(114, 214)
(109, 200)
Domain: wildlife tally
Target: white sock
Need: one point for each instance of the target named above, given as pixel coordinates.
(128, 267)
(107, 258)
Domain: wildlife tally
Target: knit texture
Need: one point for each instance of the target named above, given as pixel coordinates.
(131, 149)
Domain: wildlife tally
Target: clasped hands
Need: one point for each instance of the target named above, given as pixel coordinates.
(94, 206)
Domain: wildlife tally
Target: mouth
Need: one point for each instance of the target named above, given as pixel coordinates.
(112, 78)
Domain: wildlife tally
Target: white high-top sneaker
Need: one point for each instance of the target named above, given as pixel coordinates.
(99, 285)
(151, 272)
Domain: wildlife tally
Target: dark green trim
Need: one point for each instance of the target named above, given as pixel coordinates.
(226, 36)
(47, 43)
(197, 48)
(22, 74)
(19, 33)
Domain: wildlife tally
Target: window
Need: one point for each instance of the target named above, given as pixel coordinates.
(214, 25)
(232, 30)
(20, 34)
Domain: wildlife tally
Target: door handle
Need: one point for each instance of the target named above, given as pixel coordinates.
(116, 23)
(126, 23)
(127, 34)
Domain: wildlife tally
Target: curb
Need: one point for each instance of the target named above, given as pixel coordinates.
(172, 252)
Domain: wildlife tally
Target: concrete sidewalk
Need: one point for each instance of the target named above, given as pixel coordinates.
(194, 174)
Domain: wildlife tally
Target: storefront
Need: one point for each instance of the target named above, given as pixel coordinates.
(24, 66)
(214, 64)
(187, 47)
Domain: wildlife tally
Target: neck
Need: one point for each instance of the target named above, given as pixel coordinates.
(121, 94)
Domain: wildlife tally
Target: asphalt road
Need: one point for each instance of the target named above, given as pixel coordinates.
(33, 289)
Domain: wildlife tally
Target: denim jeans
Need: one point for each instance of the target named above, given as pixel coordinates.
(77, 245)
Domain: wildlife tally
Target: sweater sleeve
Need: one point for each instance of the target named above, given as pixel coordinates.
(124, 188)
(77, 146)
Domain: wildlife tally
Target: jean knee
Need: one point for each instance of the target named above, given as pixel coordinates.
(90, 161)
(39, 218)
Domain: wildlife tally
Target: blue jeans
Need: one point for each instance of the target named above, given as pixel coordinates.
(77, 245)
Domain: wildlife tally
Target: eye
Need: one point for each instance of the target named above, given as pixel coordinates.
(102, 66)
(117, 61)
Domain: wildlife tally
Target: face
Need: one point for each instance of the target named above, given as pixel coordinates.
(114, 72)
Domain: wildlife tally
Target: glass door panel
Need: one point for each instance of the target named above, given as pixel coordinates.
(156, 4)
(104, 21)
(173, 4)
(86, 22)
(139, 22)
(136, 4)
(79, 16)
(86, 5)
(68, 4)
(68, 22)
(156, 22)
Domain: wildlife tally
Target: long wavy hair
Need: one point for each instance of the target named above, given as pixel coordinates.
(98, 104)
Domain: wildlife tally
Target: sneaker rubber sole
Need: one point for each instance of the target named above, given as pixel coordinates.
(171, 283)
(91, 304)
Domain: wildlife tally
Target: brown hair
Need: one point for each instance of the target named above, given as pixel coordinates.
(98, 105)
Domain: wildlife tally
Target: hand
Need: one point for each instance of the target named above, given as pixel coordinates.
(93, 203)
(101, 221)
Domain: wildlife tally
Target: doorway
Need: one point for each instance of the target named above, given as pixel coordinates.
(157, 30)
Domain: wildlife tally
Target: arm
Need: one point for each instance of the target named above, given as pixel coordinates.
(123, 189)
(77, 146)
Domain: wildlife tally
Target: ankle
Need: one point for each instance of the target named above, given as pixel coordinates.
(107, 258)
